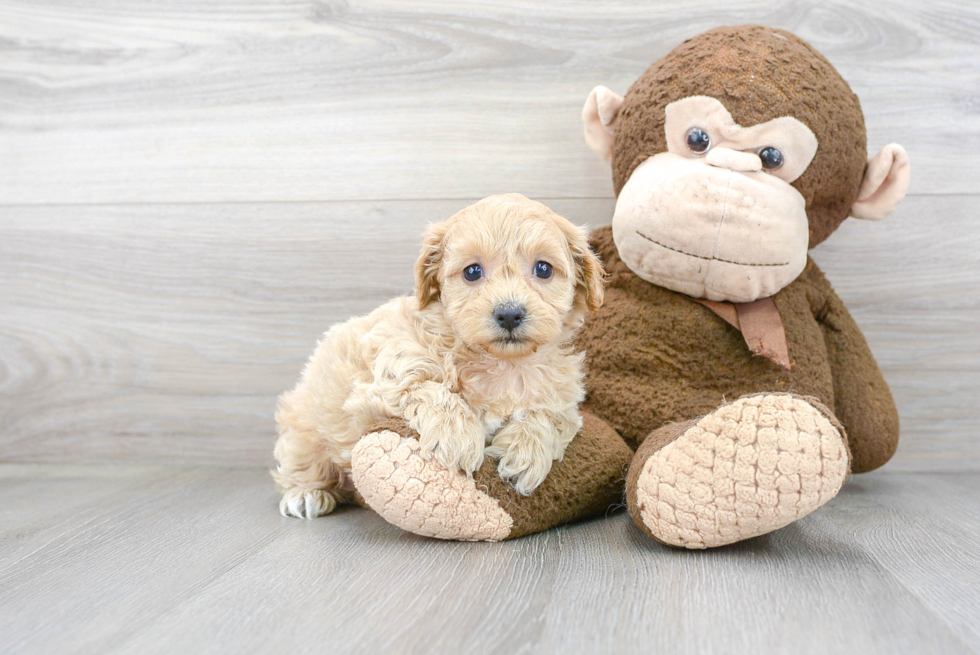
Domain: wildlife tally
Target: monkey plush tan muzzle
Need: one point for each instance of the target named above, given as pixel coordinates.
(711, 231)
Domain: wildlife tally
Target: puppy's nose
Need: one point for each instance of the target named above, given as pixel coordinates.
(509, 315)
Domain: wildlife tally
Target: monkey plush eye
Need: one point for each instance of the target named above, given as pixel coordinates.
(771, 158)
(543, 270)
(698, 140)
(472, 273)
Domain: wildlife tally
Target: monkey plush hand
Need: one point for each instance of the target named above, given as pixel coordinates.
(721, 354)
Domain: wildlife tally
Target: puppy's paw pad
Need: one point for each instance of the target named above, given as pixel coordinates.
(306, 504)
(422, 495)
(525, 473)
(525, 461)
(496, 452)
(455, 451)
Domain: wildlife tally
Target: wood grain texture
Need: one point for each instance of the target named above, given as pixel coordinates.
(164, 333)
(191, 192)
(187, 101)
(143, 322)
(158, 560)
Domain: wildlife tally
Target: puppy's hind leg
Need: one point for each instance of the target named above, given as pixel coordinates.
(311, 484)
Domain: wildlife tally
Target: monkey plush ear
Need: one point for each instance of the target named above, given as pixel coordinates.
(428, 263)
(599, 115)
(886, 180)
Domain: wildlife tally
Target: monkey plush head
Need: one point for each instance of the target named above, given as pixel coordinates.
(731, 157)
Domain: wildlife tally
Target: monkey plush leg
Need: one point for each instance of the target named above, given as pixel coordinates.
(423, 497)
(748, 468)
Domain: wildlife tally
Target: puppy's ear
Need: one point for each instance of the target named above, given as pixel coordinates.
(428, 264)
(588, 268)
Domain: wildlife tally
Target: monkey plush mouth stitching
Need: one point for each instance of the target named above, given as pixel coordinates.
(714, 259)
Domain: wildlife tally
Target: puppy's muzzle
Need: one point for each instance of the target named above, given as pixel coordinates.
(509, 315)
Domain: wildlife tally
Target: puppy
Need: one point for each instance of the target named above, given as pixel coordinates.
(480, 354)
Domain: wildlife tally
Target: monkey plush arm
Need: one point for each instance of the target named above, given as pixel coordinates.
(862, 401)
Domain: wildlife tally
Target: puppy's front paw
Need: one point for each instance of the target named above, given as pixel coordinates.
(525, 458)
(456, 444)
(306, 504)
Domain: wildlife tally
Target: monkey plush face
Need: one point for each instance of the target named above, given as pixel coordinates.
(731, 157)
(715, 216)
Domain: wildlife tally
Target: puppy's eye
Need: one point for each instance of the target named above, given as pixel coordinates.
(698, 140)
(543, 270)
(771, 158)
(472, 273)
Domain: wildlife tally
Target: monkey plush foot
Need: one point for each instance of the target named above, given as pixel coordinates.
(748, 468)
(423, 497)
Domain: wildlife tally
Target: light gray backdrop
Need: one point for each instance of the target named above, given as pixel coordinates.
(191, 192)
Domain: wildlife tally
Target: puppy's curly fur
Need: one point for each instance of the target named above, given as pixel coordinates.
(465, 362)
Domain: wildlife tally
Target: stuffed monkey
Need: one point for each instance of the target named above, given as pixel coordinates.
(721, 355)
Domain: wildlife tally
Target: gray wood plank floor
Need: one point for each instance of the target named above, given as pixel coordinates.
(125, 559)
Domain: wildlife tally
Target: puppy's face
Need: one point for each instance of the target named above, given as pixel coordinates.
(511, 274)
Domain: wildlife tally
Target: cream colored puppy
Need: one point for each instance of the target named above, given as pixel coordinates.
(481, 353)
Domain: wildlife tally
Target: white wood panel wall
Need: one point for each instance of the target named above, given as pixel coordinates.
(191, 192)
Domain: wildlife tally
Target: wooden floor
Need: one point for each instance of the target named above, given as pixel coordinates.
(125, 559)
(192, 191)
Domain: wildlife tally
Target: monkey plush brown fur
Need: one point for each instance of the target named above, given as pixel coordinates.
(721, 354)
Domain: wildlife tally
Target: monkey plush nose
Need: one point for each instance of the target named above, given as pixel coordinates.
(509, 315)
(734, 159)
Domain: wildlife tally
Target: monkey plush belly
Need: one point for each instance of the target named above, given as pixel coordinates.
(655, 356)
